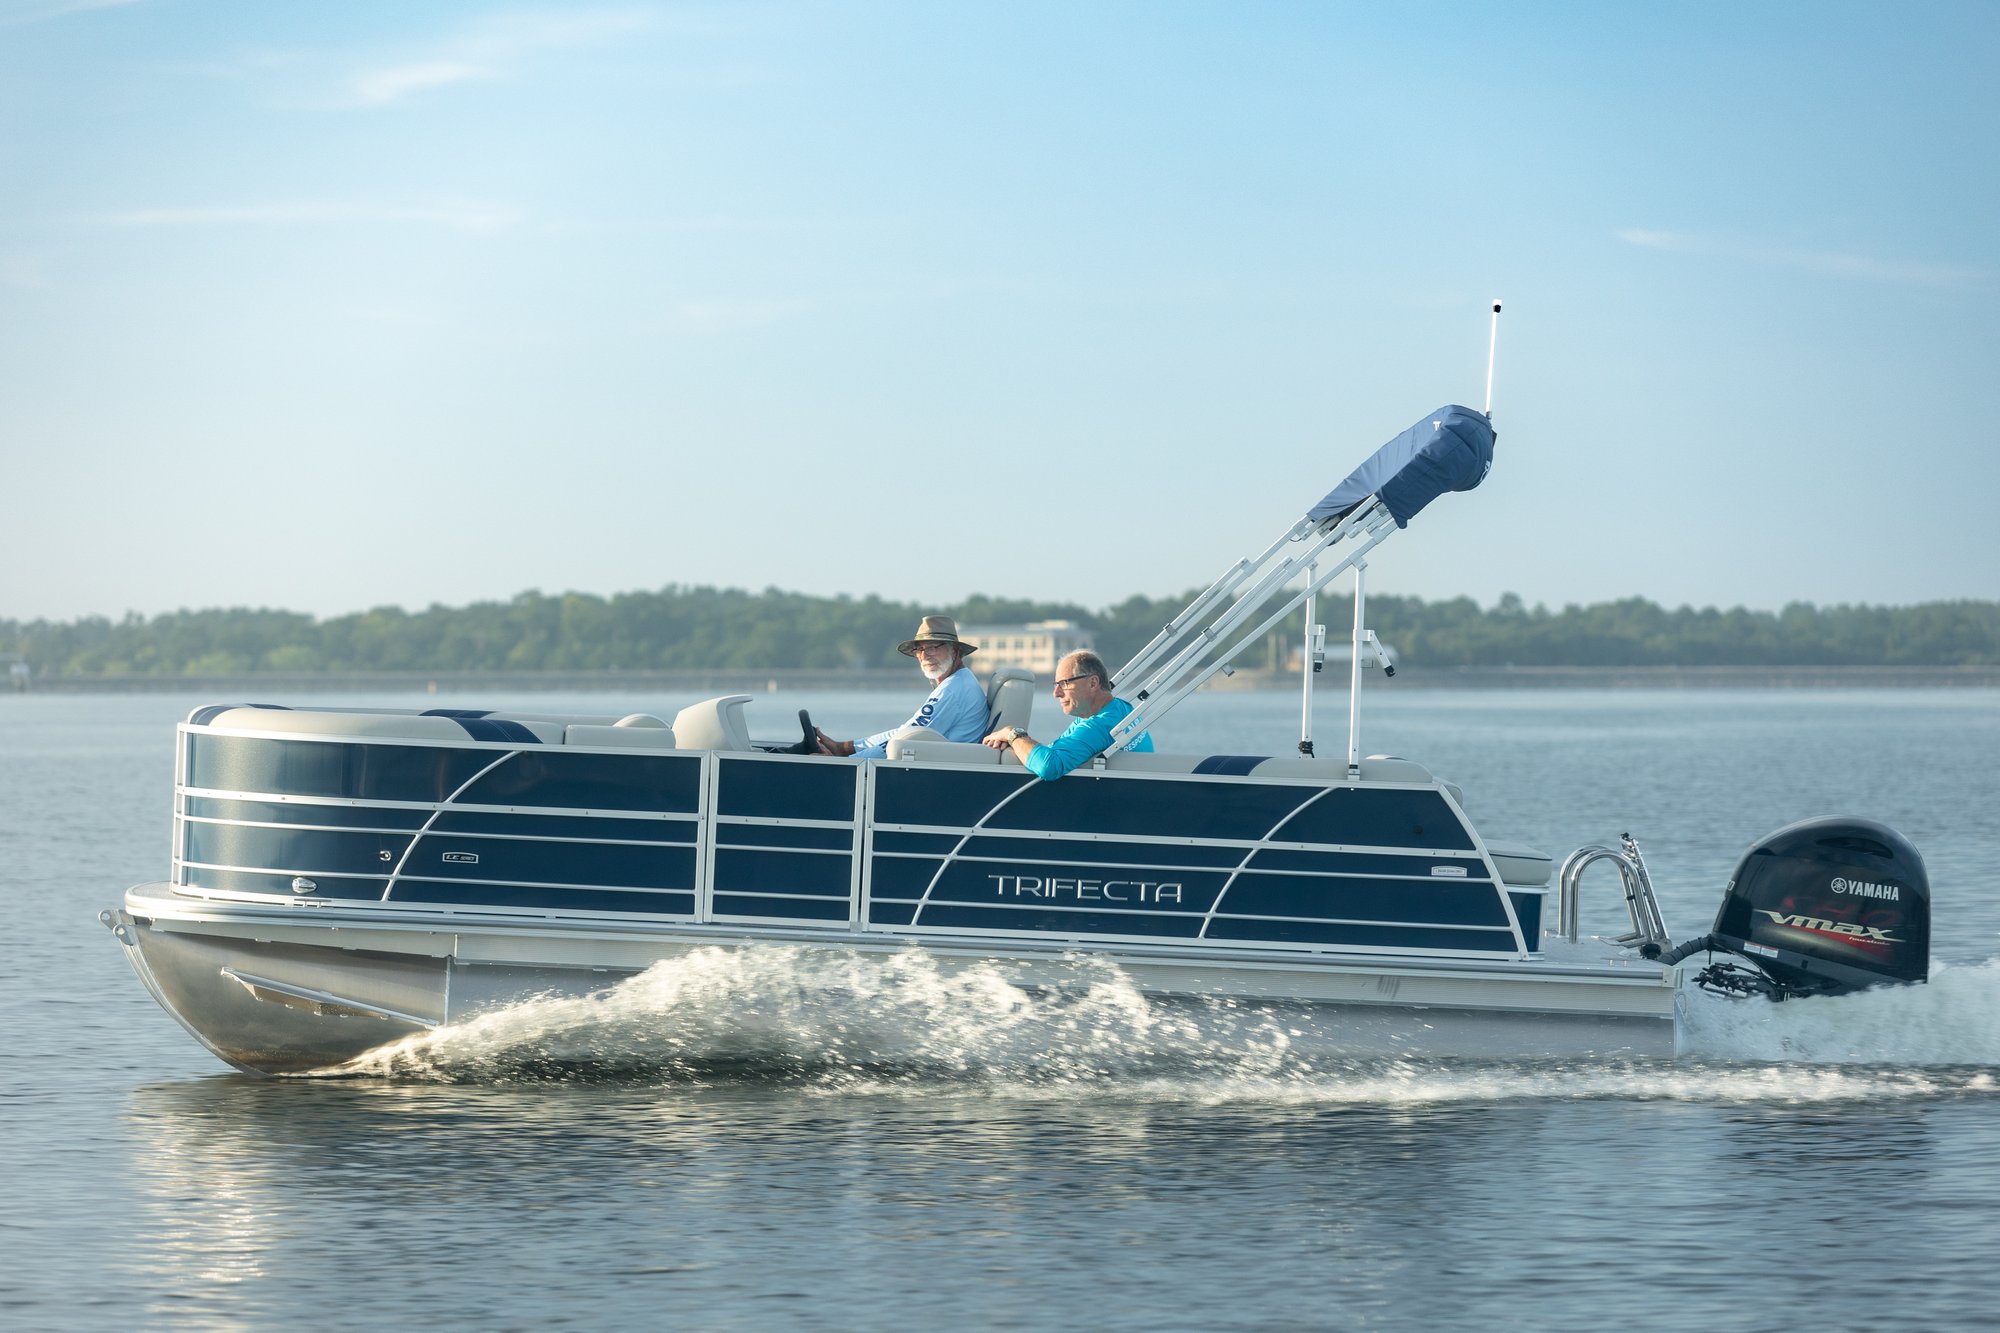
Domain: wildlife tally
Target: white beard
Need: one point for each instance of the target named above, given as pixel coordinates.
(935, 671)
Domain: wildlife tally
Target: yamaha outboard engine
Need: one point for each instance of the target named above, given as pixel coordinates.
(1821, 907)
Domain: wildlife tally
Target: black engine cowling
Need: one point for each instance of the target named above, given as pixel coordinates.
(1822, 907)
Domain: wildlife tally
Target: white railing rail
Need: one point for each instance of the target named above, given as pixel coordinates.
(1181, 658)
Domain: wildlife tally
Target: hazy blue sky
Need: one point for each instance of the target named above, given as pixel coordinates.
(327, 306)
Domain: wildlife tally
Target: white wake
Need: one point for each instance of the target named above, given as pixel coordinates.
(900, 1023)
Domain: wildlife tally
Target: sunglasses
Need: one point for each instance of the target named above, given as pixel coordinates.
(1067, 681)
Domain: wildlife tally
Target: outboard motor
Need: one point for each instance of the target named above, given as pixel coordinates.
(1821, 907)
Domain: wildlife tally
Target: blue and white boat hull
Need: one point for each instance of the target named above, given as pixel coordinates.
(343, 880)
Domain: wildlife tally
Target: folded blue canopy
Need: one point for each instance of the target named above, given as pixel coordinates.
(1449, 450)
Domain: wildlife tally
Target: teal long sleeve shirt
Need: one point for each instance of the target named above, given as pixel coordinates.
(1082, 739)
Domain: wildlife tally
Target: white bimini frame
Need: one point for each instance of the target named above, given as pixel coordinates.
(1193, 647)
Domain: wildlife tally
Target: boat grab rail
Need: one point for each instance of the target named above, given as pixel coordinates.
(1197, 655)
(1641, 903)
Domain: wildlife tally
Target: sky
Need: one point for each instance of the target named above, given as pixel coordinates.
(330, 307)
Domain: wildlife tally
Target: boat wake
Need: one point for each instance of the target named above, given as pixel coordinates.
(859, 1024)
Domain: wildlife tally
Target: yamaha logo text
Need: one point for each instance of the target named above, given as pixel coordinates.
(1866, 890)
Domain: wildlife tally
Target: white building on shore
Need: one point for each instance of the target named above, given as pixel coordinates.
(1038, 646)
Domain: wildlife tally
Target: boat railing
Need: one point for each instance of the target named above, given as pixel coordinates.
(1641, 903)
(1183, 656)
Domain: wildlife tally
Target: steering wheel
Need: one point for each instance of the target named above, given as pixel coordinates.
(809, 742)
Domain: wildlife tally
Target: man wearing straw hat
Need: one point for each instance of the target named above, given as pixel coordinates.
(956, 708)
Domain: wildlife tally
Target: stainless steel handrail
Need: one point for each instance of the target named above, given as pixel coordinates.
(1641, 904)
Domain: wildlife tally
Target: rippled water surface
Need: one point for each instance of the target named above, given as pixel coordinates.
(768, 1139)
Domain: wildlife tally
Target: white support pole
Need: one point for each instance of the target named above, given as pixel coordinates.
(1492, 346)
(1306, 668)
(1354, 672)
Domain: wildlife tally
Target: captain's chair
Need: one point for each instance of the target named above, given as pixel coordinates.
(1010, 698)
(713, 724)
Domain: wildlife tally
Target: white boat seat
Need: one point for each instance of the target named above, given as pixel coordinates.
(642, 721)
(1395, 768)
(1375, 768)
(402, 723)
(1151, 762)
(713, 724)
(638, 731)
(1010, 698)
(926, 751)
(1520, 866)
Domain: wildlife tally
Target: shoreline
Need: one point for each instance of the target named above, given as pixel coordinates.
(774, 681)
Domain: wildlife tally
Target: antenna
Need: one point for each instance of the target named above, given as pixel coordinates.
(1492, 345)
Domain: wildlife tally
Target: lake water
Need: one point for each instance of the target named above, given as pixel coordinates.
(740, 1143)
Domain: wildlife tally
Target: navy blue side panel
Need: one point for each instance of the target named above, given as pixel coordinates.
(556, 900)
(457, 712)
(953, 799)
(891, 914)
(280, 885)
(1372, 937)
(1528, 908)
(449, 854)
(320, 854)
(362, 771)
(592, 828)
(336, 816)
(1377, 817)
(410, 892)
(1366, 863)
(668, 783)
(774, 788)
(783, 835)
(619, 865)
(294, 851)
(1231, 765)
(808, 873)
(781, 909)
(497, 729)
(901, 877)
(914, 842)
(1088, 803)
(1451, 903)
(1029, 920)
(1065, 851)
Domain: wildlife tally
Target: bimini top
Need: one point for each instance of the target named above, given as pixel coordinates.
(1449, 450)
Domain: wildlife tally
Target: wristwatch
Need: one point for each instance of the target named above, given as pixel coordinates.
(1014, 734)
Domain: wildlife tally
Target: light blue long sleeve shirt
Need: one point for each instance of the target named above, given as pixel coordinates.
(955, 710)
(1082, 739)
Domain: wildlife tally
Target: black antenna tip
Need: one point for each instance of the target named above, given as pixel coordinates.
(1496, 307)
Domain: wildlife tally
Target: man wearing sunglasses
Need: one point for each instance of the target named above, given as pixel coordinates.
(1083, 687)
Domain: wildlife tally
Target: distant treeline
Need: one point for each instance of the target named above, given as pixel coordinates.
(680, 628)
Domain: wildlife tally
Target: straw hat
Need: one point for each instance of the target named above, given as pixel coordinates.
(935, 629)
